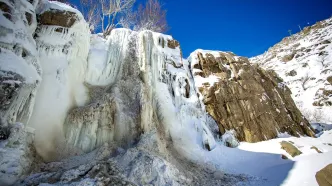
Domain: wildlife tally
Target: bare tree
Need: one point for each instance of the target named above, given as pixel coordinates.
(91, 12)
(129, 19)
(290, 32)
(151, 16)
(323, 59)
(110, 9)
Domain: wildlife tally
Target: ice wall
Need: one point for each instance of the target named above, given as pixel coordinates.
(62, 53)
(171, 90)
(137, 83)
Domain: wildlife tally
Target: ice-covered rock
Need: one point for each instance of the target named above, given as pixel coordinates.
(17, 154)
(144, 164)
(19, 65)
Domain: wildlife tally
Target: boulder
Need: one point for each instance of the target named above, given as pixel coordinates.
(5, 8)
(172, 44)
(284, 157)
(291, 73)
(329, 79)
(58, 18)
(324, 177)
(245, 98)
(288, 58)
(290, 148)
(316, 149)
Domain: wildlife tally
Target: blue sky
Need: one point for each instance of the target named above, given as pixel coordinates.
(245, 27)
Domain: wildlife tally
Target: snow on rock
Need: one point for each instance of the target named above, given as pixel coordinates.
(304, 61)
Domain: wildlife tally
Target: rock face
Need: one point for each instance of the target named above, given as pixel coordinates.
(58, 17)
(304, 62)
(245, 98)
(323, 176)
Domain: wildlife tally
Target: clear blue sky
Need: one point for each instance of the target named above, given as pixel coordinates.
(245, 27)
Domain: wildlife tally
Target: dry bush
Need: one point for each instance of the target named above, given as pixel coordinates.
(150, 16)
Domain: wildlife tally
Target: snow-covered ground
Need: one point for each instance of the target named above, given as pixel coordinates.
(263, 160)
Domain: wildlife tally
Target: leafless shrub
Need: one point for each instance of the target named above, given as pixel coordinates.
(110, 14)
(304, 81)
(91, 13)
(151, 16)
(110, 10)
(323, 59)
(315, 116)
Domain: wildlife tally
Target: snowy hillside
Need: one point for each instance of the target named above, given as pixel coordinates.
(304, 62)
(126, 109)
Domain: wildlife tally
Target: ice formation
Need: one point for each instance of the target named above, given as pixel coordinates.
(162, 93)
(62, 53)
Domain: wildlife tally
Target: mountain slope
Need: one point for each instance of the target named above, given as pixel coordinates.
(304, 62)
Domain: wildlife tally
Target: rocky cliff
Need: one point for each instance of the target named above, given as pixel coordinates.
(245, 98)
(131, 92)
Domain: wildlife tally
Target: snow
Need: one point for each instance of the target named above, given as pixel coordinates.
(55, 5)
(312, 61)
(12, 63)
(263, 160)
